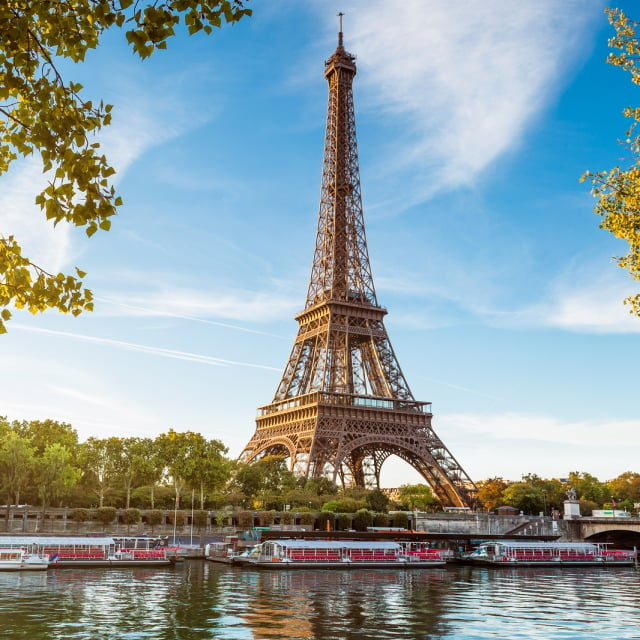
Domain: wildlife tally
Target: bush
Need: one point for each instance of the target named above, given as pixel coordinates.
(200, 519)
(177, 518)
(307, 518)
(362, 519)
(80, 515)
(286, 517)
(105, 515)
(380, 520)
(153, 518)
(266, 518)
(324, 518)
(131, 516)
(344, 505)
(400, 519)
(343, 522)
(245, 519)
(377, 501)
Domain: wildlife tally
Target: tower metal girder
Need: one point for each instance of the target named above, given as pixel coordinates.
(343, 405)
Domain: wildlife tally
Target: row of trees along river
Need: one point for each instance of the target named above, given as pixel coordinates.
(43, 463)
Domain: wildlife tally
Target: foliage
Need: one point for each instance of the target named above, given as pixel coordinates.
(304, 498)
(286, 517)
(55, 473)
(266, 477)
(131, 516)
(43, 114)
(524, 496)
(16, 465)
(266, 518)
(588, 487)
(400, 520)
(344, 505)
(380, 520)
(200, 518)
(177, 517)
(105, 515)
(99, 458)
(153, 518)
(307, 518)
(618, 190)
(245, 519)
(80, 515)
(320, 486)
(625, 489)
(377, 501)
(362, 519)
(587, 507)
(416, 496)
(490, 492)
(325, 517)
(192, 461)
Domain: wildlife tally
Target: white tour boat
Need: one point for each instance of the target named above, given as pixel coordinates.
(340, 554)
(19, 559)
(96, 551)
(513, 553)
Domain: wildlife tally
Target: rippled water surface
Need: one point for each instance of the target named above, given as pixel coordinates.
(205, 600)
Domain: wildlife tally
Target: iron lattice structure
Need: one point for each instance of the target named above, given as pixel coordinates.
(343, 406)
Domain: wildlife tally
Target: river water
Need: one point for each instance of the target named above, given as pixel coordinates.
(204, 600)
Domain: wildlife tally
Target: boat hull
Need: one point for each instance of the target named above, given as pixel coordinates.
(343, 564)
(24, 566)
(553, 563)
(61, 564)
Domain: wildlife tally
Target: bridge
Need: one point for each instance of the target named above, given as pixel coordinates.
(622, 532)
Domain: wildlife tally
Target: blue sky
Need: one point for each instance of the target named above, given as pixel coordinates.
(475, 121)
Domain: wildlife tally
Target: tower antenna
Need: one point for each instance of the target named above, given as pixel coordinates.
(340, 28)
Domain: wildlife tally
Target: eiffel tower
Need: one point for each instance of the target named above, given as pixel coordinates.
(343, 406)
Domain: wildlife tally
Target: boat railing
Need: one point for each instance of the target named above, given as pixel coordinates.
(144, 554)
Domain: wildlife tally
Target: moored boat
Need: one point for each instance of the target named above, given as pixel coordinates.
(87, 551)
(19, 559)
(513, 553)
(340, 554)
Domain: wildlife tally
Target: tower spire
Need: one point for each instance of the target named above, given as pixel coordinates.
(343, 406)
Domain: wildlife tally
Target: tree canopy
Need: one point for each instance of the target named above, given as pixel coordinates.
(618, 190)
(44, 114)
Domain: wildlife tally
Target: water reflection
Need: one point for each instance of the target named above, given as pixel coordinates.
(205, 601)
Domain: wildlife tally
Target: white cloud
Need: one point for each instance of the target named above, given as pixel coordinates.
(514, 426)
(44, 244)
(146, 349)
(201, 306)
(586, 299)
(468, 76)
(140, 122)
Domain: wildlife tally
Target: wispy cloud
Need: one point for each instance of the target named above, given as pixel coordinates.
(123, 308)
(510, 426)
(460, 82)
(140, 122)
(587, 299)
(155, 351)
(204, 306)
